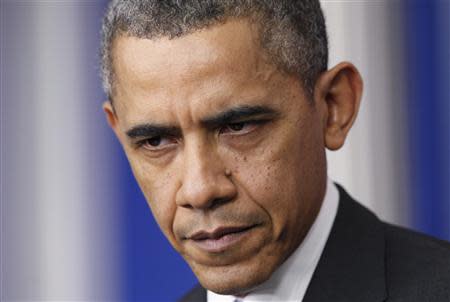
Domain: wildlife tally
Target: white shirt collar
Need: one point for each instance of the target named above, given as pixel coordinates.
(290, 281)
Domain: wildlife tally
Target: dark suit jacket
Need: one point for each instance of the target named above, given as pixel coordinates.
(368, 260)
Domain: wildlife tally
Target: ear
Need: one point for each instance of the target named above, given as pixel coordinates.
(338, 94)
(111, 117)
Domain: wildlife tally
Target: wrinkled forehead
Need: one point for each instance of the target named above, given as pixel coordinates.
(225, 56)
(231, 45)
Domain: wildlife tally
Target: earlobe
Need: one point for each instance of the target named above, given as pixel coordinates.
(339, 92)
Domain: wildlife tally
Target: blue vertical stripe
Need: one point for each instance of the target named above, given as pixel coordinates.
(427, 64)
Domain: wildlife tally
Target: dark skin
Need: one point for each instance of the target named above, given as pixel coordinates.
(219, 138)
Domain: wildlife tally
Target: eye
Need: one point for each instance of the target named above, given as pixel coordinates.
(157, 143)
(239, 127)
(154, 141)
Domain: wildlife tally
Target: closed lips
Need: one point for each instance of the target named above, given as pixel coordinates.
(218, 233)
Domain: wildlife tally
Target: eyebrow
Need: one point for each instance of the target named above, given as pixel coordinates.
(236, 114)
(223, 118)
(152, 130)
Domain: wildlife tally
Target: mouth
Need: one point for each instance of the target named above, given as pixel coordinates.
(220, 239)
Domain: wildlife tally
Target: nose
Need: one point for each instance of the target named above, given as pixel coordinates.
(205, 184)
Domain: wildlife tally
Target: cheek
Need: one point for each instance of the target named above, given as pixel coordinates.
(262, 178)
(282, 175)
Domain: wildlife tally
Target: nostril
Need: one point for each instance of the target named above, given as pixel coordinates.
(217, 202)
(212, 204)
(186, 206)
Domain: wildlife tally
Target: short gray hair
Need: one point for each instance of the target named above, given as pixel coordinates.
(292, 32)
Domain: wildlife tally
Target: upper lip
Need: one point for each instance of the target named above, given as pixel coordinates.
(218, 232)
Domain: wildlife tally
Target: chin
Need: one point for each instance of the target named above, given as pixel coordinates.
(234, 279)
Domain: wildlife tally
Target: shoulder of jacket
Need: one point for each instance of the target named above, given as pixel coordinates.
(417, 265)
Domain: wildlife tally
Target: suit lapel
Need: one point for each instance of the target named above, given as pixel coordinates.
(352, 265)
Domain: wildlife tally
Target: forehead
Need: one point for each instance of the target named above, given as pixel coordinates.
(229, 38)
(212, 63)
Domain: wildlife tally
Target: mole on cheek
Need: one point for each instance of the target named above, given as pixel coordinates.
(267, 188)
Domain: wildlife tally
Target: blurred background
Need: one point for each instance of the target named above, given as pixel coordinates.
(74, 224)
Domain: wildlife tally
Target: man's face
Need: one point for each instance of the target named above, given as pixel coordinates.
(226, 148)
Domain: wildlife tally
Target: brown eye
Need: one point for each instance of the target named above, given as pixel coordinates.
(157, 143)
(240, 128)
(154, 141)
(236, 126)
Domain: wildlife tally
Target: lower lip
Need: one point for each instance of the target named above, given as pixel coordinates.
(220, 244)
